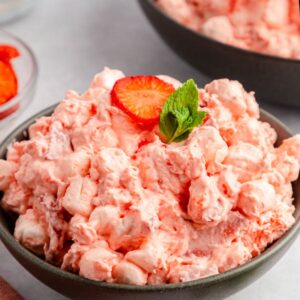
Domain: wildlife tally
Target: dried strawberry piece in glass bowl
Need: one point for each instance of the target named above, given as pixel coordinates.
(18, 73)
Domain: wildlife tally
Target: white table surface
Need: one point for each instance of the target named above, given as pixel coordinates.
(74, 39)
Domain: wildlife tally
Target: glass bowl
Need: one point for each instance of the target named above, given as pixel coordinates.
(26, 70)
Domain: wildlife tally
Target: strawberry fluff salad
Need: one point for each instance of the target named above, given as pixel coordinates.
(267, 26)
(101, 189)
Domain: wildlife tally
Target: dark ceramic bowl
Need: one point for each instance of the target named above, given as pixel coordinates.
(273, 79)
(214, 287)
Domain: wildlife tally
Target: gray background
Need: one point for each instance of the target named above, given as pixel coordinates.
(74, 39)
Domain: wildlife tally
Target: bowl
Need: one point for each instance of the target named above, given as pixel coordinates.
(26, 70)
(274, 79)
(213, 287)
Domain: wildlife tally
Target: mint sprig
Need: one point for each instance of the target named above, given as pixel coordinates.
(180, 113)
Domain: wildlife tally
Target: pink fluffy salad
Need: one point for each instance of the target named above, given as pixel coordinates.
(266, 26)
(116, 198)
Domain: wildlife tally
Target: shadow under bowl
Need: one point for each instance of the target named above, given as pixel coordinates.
(273, 79)
(214, 287)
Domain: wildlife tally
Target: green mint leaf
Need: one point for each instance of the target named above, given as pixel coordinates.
(180, 113)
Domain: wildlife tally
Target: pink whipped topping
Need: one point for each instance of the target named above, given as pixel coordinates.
(266, 26)
(100, 196)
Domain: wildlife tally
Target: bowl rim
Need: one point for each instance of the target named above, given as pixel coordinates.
(217, 43)
(30, 83)
(8, 238)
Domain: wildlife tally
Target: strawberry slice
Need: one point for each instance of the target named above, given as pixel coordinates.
(141, 97)
(8, 82)
(8, 52)
(9, 111)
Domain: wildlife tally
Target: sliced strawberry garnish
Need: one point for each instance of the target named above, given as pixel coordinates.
(8, 82)
(141, 97)
(8, 52)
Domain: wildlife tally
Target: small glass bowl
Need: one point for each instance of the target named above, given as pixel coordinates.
(26, 70)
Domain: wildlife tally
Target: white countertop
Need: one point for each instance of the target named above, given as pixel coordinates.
(74, 39)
